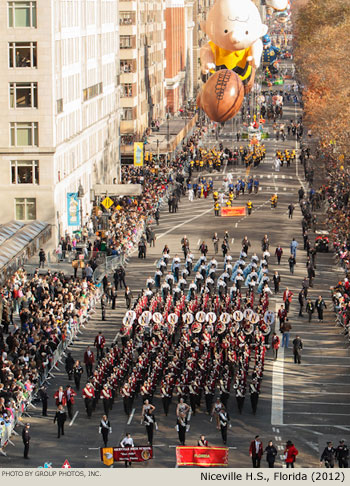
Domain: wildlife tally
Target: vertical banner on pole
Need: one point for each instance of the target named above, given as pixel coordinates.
(73, 205)
(138, 154)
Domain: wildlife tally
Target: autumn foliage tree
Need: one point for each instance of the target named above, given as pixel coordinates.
(322, 56)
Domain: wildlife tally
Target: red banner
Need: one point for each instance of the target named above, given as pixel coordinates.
(201, 456)
(235, 211)
(131, 454)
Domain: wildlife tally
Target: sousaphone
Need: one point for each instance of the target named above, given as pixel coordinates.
(248, 314)
(145, 318)
(173, 319)
(269, 317)
(187, 318)
(129, 317)
(210, 317)
(157, 318)
(201, 316)
(238, 316)
(225, 318)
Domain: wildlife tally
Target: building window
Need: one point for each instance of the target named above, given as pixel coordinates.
(126, 90)
(127, 18)
(92, 91)
(22, 14)
(24, 134)
(25, 208)
(126, 41)
(23, 95)
(24, 171)
(127, 66)
(127, 114)
(22, 54)
(59, 106)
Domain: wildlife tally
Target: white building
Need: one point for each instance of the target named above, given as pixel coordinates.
(59, 101)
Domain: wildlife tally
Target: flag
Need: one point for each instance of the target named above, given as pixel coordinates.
(107, 456)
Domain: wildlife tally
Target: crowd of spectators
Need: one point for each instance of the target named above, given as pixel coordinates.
(39, 315)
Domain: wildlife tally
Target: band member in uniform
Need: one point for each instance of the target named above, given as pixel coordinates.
(182, 407)
(88, 395)
(106, 395)
(105, 429)
(60, 418)
(182, 427)
(165, 391)
(217, 408)
(70, 394)
(240, 396)
(60, 397)
(224, 420)
(202, 442)
(254, 394)
(99, 344)
(149, 420)
(209, 392)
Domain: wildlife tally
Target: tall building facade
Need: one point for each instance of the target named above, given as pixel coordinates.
(59, 99)
(179, 52)
(142, 67)
(200, 11)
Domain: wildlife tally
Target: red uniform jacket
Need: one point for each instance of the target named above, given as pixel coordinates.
(252, 450)
(89, 359)
(63, 400)
(88, 392)
(291, 452)
(99, 341)
(72, 395)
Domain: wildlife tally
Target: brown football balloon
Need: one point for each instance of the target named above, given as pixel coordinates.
(222, 95)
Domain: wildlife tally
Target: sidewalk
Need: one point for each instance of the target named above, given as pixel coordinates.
(179, 128)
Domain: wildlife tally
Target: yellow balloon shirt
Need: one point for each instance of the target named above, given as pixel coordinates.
(236, 61)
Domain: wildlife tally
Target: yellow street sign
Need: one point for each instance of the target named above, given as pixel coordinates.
(107, 202)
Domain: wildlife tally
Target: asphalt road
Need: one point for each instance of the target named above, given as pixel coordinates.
(306, 403)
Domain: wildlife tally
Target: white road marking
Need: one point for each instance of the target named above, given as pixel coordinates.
(182, 224)
(313, 446)
(277, 385)
(199, 240)
(74, 417)
(232, 240)
(94, 448)
(131, 416)
(317, 413)
(236, 225)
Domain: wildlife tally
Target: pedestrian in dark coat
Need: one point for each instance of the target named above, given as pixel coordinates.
(60, 418)
(271, 453)
(26, 440)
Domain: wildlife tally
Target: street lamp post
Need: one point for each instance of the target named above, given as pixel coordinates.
(81, 195)
(167, 126)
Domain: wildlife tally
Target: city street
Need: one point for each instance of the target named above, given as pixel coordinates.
(306, 403)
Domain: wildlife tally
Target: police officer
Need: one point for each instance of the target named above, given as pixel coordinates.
(342, 454)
